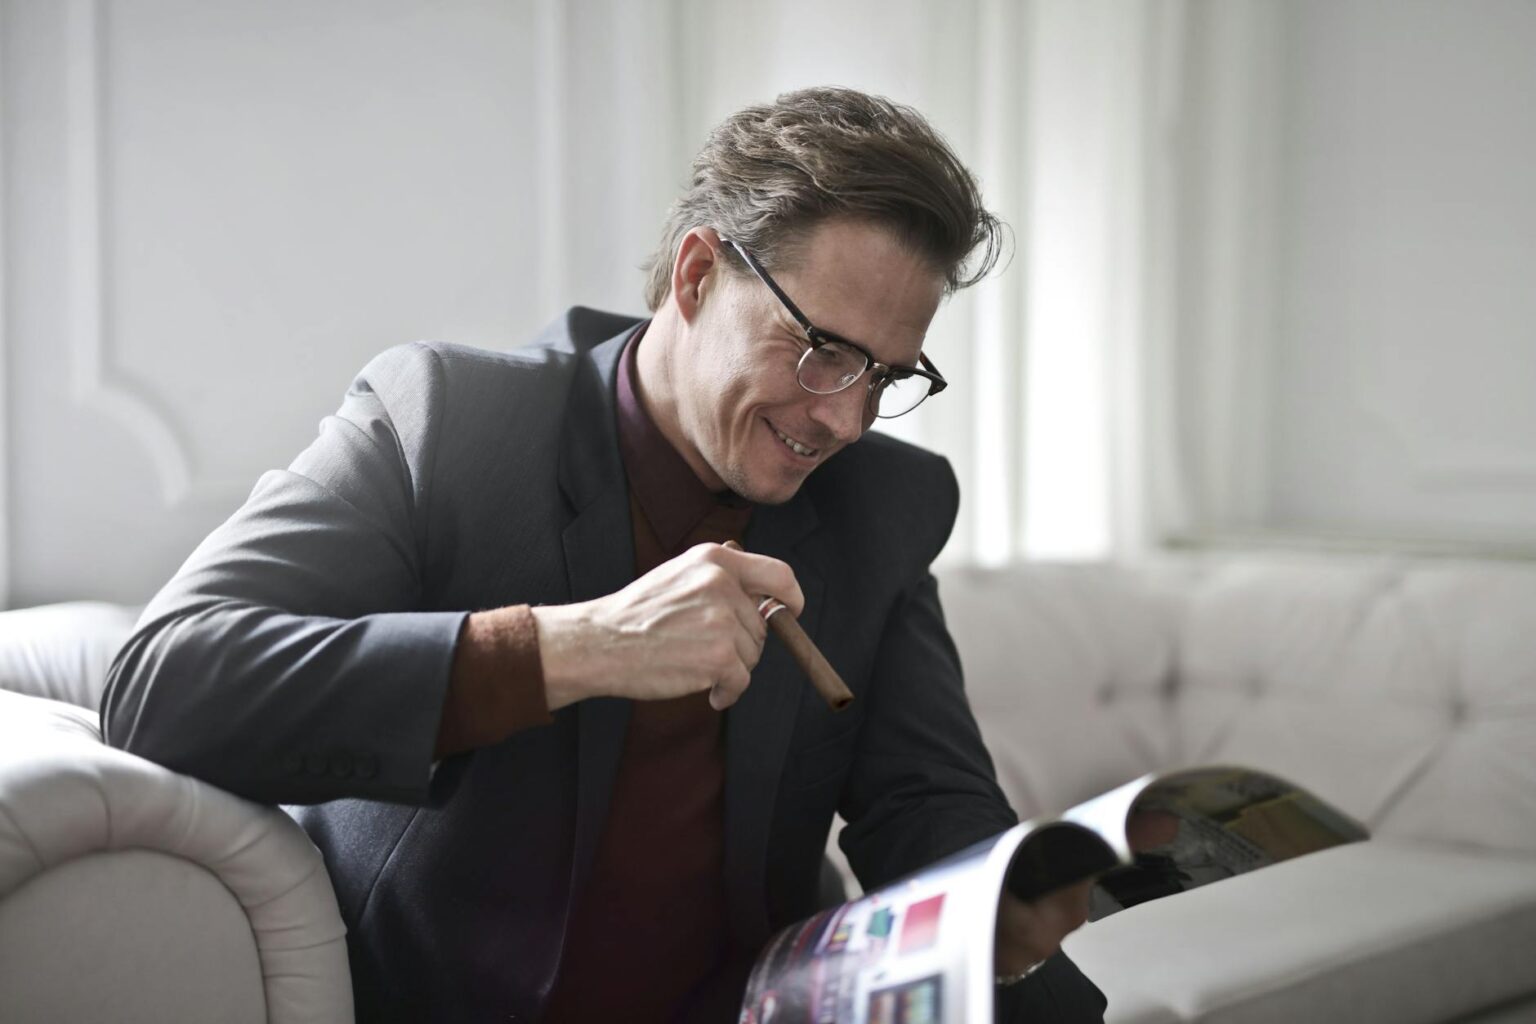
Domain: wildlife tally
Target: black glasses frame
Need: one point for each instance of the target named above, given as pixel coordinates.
(880, 372)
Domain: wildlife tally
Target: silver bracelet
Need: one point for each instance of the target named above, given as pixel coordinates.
(1004, 980)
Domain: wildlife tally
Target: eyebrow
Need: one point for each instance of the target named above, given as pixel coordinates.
(790, 308)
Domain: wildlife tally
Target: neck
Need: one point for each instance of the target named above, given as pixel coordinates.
(656, 387)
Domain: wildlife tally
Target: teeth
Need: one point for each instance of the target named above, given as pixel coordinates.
(795, 446)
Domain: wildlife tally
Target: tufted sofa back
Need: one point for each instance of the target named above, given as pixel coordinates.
(1402, 690)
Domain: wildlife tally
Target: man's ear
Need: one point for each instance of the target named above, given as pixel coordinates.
(694, 271)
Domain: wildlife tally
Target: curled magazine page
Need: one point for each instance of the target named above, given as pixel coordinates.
(1083, 841)
(921, 950)
(1207, 824)
(904, 954)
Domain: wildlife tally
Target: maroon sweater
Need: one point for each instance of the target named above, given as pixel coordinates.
(648, 938)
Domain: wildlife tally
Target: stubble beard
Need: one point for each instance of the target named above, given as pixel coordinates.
(737, 479)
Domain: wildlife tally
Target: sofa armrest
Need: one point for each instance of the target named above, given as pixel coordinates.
(65, 796)
(62, 651)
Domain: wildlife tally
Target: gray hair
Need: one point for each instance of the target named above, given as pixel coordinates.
(770, 173)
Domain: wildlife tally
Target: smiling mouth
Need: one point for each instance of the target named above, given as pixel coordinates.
(792, 444)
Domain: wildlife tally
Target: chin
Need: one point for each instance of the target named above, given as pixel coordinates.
(760, 492)
(769, 495)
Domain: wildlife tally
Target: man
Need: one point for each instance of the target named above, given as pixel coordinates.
(489, 620)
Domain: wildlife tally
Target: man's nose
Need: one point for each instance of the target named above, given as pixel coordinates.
(844, 414)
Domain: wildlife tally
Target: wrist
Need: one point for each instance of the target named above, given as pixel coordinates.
(562, 654)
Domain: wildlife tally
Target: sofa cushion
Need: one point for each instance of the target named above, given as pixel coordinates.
(1377, 931)
(62, 651)
(1067, 669)
(1403, 692)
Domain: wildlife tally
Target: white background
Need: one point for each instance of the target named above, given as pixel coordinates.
(1275, 273)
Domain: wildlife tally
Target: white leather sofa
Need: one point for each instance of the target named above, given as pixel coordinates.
(1402, 691)
(1405, 692)
(129, 893)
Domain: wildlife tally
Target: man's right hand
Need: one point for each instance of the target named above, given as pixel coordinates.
(690, 624)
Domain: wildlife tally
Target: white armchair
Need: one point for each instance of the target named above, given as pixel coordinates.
(129, 893)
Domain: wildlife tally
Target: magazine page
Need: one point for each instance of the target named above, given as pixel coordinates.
(904, 954)
(1206, 824)
(920, 951)
(1084, 841)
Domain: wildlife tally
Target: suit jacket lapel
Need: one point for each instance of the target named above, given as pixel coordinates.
(758, 727)
(600, 559)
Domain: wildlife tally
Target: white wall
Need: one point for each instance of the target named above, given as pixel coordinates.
(1404, 397)
(215, 213)
(1284, 252)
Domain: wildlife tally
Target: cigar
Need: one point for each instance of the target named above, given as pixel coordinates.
(805, 652)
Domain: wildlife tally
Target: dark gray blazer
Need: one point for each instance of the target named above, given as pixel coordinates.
(302, 653)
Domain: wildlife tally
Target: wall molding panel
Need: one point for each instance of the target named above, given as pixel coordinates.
(94, 384)
(553, 109)
(5, 309)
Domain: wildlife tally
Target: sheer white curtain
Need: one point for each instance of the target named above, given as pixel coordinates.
(1061, 422)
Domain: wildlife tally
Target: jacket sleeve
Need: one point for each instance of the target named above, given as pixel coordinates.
(922, 785)
(285, 661)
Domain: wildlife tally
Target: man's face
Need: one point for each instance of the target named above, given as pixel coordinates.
(737, 396)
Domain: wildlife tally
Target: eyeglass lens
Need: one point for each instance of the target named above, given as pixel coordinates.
(832, 367)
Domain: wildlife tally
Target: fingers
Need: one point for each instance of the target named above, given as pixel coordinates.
(751, 576)
(740, 634)
(1072, 906)
(758, 574)
(1147, 830)
(728, 689)
(753, 628)
(746, 634)
(692, 623)
(1034, 930)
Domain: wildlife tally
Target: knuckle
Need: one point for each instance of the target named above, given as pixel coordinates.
(705, 581)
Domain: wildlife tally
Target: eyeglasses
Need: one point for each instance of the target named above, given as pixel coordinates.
(833, 364)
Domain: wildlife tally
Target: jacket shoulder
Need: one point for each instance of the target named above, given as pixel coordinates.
(423, 365)
(897, 495)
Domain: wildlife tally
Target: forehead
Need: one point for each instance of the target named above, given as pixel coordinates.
(861, 282)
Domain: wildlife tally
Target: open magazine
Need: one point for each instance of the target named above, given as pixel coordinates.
(919, 951)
